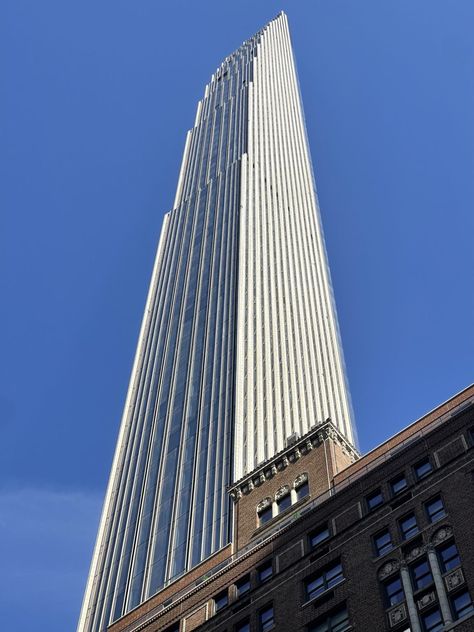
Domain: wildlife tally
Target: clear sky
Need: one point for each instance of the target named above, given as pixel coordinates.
(95, 102)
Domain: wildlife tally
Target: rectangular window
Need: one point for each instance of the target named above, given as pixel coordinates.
(243, 585)
(408, 526)
(243, 626)
(318, 536)
(448, 556)
(283, 503)
(338, 621)
(265, 515)
(220, 601)
(398, 484)
(324, 580)
(421, 575)
(423, 468)
(462, 604)
(394, 591)
(302, 491)
(435, 509)
(374, 500)
(432, 621)
(265, 571)
(265, 619)
(383, 542)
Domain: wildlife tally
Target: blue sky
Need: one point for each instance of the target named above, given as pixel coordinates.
(96, 100)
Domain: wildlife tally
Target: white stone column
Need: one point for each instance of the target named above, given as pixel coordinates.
(412, 611)
(440, 588)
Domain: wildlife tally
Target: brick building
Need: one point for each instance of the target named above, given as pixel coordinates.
(386, 543)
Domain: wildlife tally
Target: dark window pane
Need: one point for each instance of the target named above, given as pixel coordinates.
(326, 579)
(432, 621)
(266, 619)
(265, 571)
(383, 542)
(398, 484)
(283, 503)
(421, 575)
(243, 585)
(394, 592)
(449, 557)
(462, 604)
(221, 600)
(265, 515)
(435, 509)
(374, 499)
(302, 491)
(318, 536)
(408, 526)
(423, 468)
(243, 626)
(336, 622)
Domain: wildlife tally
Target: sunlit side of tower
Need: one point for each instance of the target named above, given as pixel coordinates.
(239, 345)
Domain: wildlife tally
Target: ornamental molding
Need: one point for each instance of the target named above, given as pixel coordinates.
(314, 438)
(426, 600)
(441, 535)
(263, 504)
(301, 479)
(283, 491)
(397, 614)
(390, 567)
(414, 553)
(454, 579)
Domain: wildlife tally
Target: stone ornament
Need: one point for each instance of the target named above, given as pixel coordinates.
(454, 579)
(414, 553)
(426, 600)
(441, 535)
(300, 480)
(263, 504)
(397, 614)
(388, 569)
(283, 491)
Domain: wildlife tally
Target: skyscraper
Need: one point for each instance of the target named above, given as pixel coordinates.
(239, 347)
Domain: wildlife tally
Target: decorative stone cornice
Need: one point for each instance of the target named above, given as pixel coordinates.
(426, 600)
(312, 439)
(442, 534)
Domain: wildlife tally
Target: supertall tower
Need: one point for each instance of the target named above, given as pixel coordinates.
(239, 345)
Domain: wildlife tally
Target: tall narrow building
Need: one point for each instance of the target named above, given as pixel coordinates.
(239, 347)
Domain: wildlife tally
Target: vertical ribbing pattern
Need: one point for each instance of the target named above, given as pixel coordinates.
(239, 344)
(290, 372)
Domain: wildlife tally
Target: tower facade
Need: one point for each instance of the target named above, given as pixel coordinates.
(239, 346)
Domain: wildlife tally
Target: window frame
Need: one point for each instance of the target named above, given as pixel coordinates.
(431, 517)
(389, 596)
(266, 511)
(262, 624)
(261, 568)
(222, 594)
(393, 483)
(244, 580)
(281, 500)
(412, 531)
(421, 578)
(457, 613)
(326, 619)
(304, 485)
(424, 616)
(321, 529)
(327, 583)
(425, 461)
(443, 562)
(381, 551)
(374, 494)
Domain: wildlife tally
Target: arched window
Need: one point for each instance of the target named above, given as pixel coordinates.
(283, 498)
(264, 511)
(301, 486)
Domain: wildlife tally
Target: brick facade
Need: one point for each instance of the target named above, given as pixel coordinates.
(446, 442)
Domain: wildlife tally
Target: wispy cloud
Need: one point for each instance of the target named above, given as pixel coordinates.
(46, 541)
